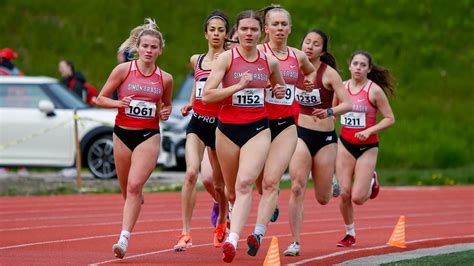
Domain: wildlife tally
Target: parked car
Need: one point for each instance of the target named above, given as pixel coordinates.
(174, 130)
(37, 127)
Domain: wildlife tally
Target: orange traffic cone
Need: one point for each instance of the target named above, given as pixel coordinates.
(273, 254)
(398, 236)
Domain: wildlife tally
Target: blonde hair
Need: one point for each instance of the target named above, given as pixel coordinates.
(148, 28)
(265, 12)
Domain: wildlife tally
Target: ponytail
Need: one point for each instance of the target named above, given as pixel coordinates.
(149, 28)
(329, 60)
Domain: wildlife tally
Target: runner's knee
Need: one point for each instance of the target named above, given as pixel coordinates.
(297, 190)
(191, 176)
(359, 199)
(270, 186)
(244, 187)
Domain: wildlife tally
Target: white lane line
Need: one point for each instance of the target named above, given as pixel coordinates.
(286, 235)
(152, 211)
(206, 217)
(335, 254)
(93, 237)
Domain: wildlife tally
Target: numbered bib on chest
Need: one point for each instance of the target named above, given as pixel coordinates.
(353, 120)
(141, 109)
(248, 98)
(287, 100)
(200, 89)
(308, 98)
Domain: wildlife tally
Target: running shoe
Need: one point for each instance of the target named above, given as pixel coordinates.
(228, 252)
(375, 186)
(253, 244)
(276, 212)
(184, 242)
(120, 249)
(220, 235)
(336, 188)
(347, 241)
(214, 214)
(275, 215)
(292, 250)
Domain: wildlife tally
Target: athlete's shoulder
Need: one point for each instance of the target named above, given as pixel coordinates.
(297, 51)
(225, 56)
(374, 88)
(331, 71)
(193, 59)
(121, 70)
(167, 77)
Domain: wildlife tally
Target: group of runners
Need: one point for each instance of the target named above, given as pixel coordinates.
(257, 110)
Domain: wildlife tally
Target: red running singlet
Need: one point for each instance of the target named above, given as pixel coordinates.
(319, 97)
(362, 116)
(200, 78)
(289, 68)
(143, 111)
(246, 105)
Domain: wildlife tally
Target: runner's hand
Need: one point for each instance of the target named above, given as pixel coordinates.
(308, 85)
(279, 91)
(186, 109)
(165, 112)
(125, 102)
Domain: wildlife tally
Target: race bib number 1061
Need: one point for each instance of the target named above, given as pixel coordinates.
(141, 109)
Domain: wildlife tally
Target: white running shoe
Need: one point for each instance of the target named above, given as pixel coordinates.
(120, 249)
(292, 250)
(336, 188)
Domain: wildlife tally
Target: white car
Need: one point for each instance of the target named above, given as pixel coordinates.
(37, 127)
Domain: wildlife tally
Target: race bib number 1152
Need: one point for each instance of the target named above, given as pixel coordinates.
(248, 98)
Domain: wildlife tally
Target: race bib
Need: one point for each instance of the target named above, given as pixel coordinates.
(199, 89)
(353, 120)
(308, 98)
(248, 98)
(287, 100)
(141, 109)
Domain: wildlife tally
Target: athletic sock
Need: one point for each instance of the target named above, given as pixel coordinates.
(350, 229)
(124, 237)
(260, 229)
(233, 238)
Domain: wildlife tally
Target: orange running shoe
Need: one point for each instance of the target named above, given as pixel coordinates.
(184, 242)
(220, 235)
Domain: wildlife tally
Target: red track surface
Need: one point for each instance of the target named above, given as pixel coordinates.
(81, 229)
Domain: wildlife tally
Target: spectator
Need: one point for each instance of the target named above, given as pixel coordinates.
(7, 67)
(76, 82)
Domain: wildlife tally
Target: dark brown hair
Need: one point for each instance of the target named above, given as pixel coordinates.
(378, 74)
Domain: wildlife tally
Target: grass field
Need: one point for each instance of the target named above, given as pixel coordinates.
(425, 44)
(457, 258)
